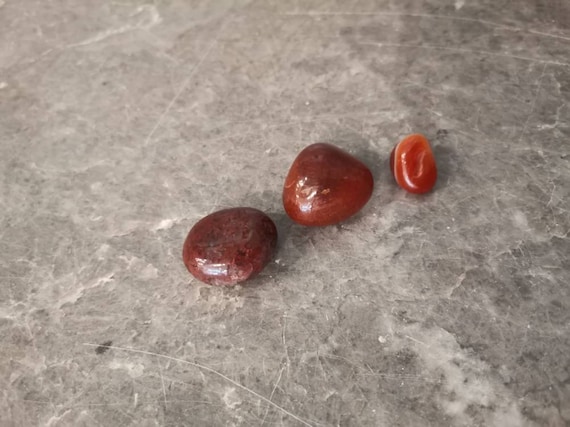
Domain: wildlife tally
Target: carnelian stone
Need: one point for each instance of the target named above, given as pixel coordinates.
(326, 185)
(413, 164)
(230, 246)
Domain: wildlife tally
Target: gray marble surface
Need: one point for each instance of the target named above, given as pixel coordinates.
(124, 122)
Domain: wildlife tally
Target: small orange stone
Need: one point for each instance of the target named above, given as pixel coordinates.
(413, 164)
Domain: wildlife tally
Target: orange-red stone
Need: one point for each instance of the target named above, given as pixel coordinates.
(326, 185)
(413, 164)
(230, 246)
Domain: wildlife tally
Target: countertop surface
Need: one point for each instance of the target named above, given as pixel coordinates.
(123, 123)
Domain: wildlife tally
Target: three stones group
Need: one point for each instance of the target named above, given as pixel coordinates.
(325, 185)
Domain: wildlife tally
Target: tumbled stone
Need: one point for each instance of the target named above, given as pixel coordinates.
(326, 185)
(413, 164)
(230, 246)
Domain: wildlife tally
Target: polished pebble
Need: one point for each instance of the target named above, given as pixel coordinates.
(326, 185)
(413, 164)
(230, 246)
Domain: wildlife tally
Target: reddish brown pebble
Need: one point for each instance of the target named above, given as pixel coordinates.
(326, 185)
(230, 246)
(413, 164)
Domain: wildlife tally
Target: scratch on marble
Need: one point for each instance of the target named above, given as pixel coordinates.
(555, 36)
(416, 340)
(136, 402)
(295, 121)
(165, 401)
(551, 198)
(212, 371)
(533, 105)
(180, 91)
(272, 393)
(283, 339)
(464, 50)
(458, 283)
(149, 20)
(429, 16)
(399, 377)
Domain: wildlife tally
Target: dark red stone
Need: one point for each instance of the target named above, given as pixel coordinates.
(413, 164)
(230, 246)
(326, 185)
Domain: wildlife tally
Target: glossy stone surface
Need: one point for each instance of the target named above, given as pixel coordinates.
(413, 164)
(230, 246)
(326, 185)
